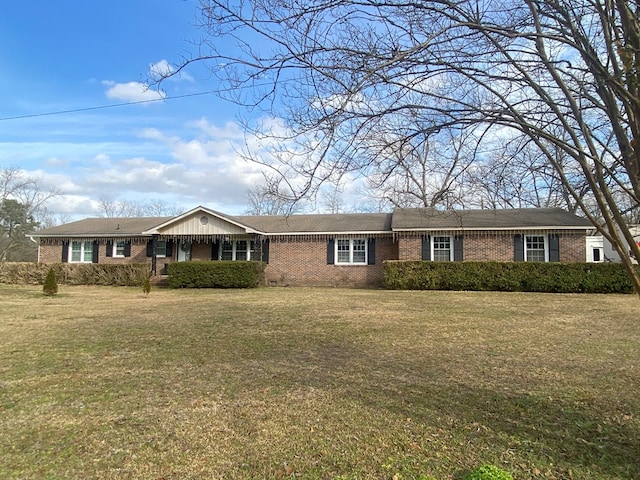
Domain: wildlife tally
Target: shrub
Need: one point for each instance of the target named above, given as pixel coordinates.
(488, 472)
(216, 274)
(508, 276)
(146, 286)
(130, 275)
(50, 283)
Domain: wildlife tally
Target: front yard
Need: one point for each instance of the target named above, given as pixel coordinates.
(107, 383)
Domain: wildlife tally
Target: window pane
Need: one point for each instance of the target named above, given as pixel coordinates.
(441, 249)
(359, 250)
(119, 249)
(241, 250)
(76, 251)
(227, 251)
(161, 248)
(535, 248)
(88, 252)
(343, 251)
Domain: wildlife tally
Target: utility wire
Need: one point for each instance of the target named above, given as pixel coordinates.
(102, 107)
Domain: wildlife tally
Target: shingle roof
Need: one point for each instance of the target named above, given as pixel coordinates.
(407, 219)
(520, 218)
(321, 223)
(126, 227)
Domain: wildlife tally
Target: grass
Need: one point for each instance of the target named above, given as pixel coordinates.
(107, 383)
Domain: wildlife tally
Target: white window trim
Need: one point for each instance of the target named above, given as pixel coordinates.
(432, 246)
(234, 249)
(351, 262)
(114, 253)
(546, 246)
(82, 252)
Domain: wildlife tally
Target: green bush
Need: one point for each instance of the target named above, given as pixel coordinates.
(50, 286)
(130, 275)
(508, 276)
(488, 472)
(216, 274)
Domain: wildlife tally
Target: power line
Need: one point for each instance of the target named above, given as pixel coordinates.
(102, 107)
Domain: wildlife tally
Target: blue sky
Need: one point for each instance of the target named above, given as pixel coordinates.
(70, 55)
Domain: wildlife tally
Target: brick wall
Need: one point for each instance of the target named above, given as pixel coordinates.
(573, 247)
(496, 247)
(51, 252)
(303, 262)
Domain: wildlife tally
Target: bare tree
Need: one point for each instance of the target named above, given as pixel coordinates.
(428, 169)
(517, 175)
(158, 207)
(272, 197)
(563, 73)
(22, 208)
(125, 208)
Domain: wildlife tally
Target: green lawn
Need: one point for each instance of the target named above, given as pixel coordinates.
(107, 383)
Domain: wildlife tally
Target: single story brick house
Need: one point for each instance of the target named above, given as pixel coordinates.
(321, 249)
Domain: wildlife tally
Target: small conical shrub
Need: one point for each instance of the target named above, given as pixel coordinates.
(488, 472)
(146, 286)
(50, 283)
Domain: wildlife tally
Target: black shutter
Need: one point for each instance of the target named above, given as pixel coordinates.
(371, 251)
(150, 248)
(215, 250)
(518, 248)
(457, 248)
(265, 251)
(554, 247)
(96, 248)
(169, 248)
(127, 248)
(426, 248)
(109, 248)
(331, 246)
(65, 251)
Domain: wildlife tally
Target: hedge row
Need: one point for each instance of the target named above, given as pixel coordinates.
(216, 274)
(508, 276)
(75, 273)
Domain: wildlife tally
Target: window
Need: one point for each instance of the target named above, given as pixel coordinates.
(535, 250)
(161, 248)
(119, 248)
(81, 252)
(351, 251)
(239, 250)
(442, 251)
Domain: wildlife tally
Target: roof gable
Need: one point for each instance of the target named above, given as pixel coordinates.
(201, 221)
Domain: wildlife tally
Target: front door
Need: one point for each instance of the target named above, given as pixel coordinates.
(184, 251)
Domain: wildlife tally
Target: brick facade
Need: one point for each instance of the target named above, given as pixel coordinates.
(51, 252)
(304, 263)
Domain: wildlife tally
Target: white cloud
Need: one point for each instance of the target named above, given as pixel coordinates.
(132, 92)
(163, 69)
